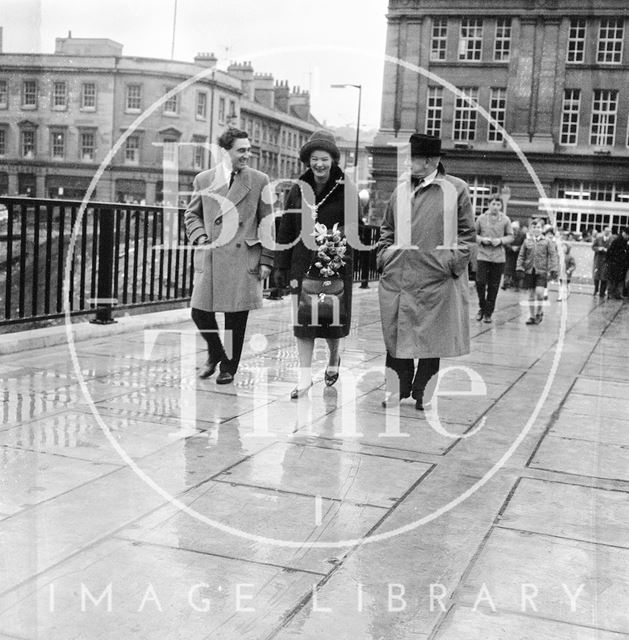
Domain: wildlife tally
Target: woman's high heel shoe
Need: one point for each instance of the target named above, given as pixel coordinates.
(331, 378)
(298, 393)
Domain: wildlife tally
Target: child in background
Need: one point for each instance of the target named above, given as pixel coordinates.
(549, 233)
(570, 265)
(537, 262)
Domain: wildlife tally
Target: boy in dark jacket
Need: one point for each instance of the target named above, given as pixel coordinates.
(537, 262)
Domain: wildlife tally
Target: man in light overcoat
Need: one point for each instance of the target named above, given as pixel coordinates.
(223, 223)
(425, 245)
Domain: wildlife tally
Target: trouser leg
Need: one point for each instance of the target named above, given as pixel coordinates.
(481, 284)
(403, 369)
(426, 369)
(206, 323)
(603, 288)
(235, 327)
(494, 273)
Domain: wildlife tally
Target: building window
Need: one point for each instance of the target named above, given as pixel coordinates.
(603, 128)
(171, 105)
(232, 108)
(59, 95)
(132, 150)
(87, 148)
(170, 151)
(3, 142)
(497, 110)
(582, 220)
(88, 96)
(439, 40)
(471, 40)
(502, 45)
(434, 106)
(201, 105)
(27, 143)
(221, 110)
(4, 94)
(58, 144)
(570, 116)
(198, 158)
(29, 94)
(465, 116)
(134, 97)
(610, 38)
(256, 132)
(576, 41)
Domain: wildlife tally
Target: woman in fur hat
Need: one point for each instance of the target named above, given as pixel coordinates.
(327, 182)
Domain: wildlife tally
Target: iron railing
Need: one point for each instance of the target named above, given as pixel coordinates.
(118, 258)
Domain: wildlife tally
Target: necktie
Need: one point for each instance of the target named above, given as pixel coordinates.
(231, 178)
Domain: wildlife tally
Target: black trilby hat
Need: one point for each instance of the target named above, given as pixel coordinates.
(423, 145)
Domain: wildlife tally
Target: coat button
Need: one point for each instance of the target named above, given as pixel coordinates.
(240, 224)
(218, 221)
(238, 245)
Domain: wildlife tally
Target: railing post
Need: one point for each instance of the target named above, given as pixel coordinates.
(104, 301)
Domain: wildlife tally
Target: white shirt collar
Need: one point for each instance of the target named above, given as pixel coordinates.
(424, 182)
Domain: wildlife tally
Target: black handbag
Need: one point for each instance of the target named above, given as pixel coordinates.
(322, 302)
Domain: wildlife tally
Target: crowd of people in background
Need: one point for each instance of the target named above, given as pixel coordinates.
(610, 263)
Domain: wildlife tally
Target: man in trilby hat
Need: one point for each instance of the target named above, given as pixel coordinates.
(425, 245)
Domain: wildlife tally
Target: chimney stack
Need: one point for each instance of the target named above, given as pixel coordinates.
(264, 90)
(206, 60)
(244, 72)
(282, 93)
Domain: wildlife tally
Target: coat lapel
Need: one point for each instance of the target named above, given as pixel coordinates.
(240, 187)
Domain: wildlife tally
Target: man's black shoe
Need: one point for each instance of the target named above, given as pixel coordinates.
(207, 370)
(224, 377)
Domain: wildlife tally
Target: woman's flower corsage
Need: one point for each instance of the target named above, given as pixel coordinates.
(332, 247)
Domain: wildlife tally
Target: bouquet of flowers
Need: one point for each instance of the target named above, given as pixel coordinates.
(332, 247)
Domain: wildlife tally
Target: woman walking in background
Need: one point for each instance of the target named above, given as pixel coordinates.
(325, 177)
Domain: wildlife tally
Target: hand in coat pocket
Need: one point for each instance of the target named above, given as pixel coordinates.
(254, 251)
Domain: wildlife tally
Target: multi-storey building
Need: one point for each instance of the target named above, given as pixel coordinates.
(551, 74)
(62, 116)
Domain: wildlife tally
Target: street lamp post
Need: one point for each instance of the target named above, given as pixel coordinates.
(360, 89)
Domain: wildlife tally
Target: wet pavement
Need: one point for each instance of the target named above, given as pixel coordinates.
(138, 501)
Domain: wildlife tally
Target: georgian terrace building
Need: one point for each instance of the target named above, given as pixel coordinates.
(553, 73)
(62, 113)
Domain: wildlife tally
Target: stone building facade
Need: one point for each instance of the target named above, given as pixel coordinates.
(64, 116)
(553, 73)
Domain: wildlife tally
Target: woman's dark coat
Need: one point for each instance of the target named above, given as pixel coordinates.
(296, 261)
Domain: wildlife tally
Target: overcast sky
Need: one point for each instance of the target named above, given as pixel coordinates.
(310, 44)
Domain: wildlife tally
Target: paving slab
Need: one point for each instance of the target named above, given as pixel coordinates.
(599, 407)
(464, 622)
(316, 471)
(569, 511)
(583, 457)
(601, 388)
(383, 590)
(78, 435)
(160, 593)
(30, 477)
(580, 427)
(166, 403)
(254, 514)
(552, 568)
(39, 537)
